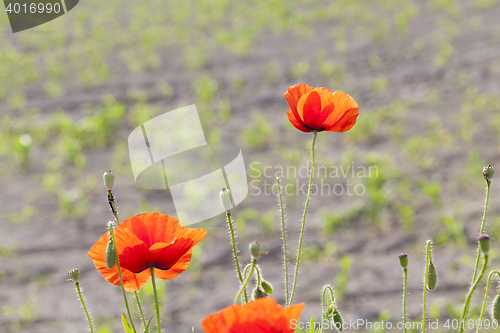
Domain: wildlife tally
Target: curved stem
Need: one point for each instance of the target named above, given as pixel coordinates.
(244, 284)
(465, 311)
(427, 261)
(283, 232)
(469, 294)
(235, 252)
(112, 236)
(405, 287)
(304, 220)
(156, 298)
(486, 298)
(323, 298)
(77, 284)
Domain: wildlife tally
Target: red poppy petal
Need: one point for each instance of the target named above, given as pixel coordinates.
(310, 110)
(153, 228)
(344, 116)
(196, 235)
(180, 266)
(295, 122)
(294, 93)
(164, 256)
(221, 322)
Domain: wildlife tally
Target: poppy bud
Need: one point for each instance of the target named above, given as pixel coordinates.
(109, 179)
(488, 172)
(254, 250)
(267, 287)
(110, 255)
(403, 260)
(484, 243)
(495, 308)
(431, 277)
(329, 312)
(258, 293)
(74, 275)
(225, 199)
(337, 320)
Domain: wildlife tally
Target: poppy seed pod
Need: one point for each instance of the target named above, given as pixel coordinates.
(109, 179)
(432, 277)
(484, 243)
(225, 199)
(488, 172)
(495, 308)
(403, 260)
(337, 320)
(267, 287)
(74, 274)
(258, 293)
(254, 250)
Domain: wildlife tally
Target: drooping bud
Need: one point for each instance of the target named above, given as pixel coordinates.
(337, 320)
(74, 275)
(431, 277)
(484, 243)
(258, 293)
(495, 308)
(403, 260)
(225, 199)
(329, 312)
(268, 288)
(254, 250)
(488, 172)
(109, 179)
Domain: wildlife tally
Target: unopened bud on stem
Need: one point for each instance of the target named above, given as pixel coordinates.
(488, 172)
(254, 250)
(225, 199)
(403, 260)
(109, 179)
(484, 243)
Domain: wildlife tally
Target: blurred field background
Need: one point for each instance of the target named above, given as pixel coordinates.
(426, 75)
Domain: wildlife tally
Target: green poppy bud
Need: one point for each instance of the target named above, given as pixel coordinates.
(225, 199)
(74, 275)
(403, 260)
(268, 288)
(488, 172)
(109, 179)
(254, 250)
(484, 243)
(329, 312)
(337, 320)
(258, 293)
(431, 277)
(495, 308)
(110, 255)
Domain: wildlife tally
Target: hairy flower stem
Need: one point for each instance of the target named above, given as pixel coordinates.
(405, 289)
(465, 311)
(469, 294)
(486, 298)
(235, 253)
(111, 201)
(325, 304)
(285, 252)
(427, 262)
(244, 284)
(299, 252)
(112, 236)
(77, 285)
(156, 298)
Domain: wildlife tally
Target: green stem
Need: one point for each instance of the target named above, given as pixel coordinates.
(140, 308)
(283, 232)
(469, 294)
(405, 288)
(112, 235)
(77, 284)
(427, 261)
(304, 220)
(235, 252)
(156, 298)
(244, 284)
(486, 298)
(478, 258)
(326, 306)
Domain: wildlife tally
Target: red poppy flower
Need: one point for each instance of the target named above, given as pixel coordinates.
(146, 240)
(260, 316)
(320, 109)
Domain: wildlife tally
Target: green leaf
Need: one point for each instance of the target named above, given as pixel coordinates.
(311, 325)
(146, 330)
(126, 325)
